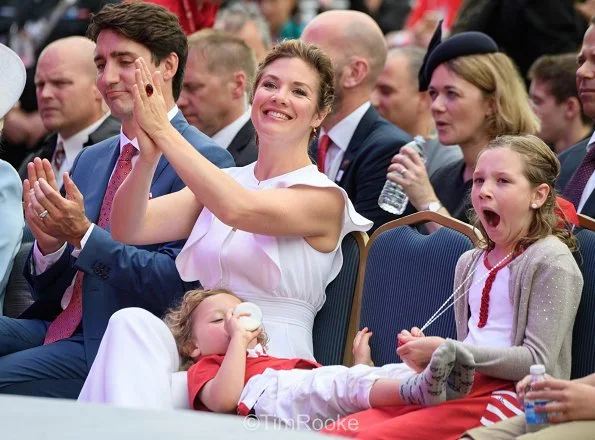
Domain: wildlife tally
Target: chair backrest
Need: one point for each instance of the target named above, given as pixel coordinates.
(18, 292)
(583, 354)
(407, 276)
(586, 222)
(332, 322)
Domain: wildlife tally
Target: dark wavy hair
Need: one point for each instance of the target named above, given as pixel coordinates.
(148, 24)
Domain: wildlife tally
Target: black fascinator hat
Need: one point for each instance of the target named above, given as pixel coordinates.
(465, 43)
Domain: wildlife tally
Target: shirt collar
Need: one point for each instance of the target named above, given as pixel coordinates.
(342, 132)
(74, 144)
(124, 139)
(224, 136)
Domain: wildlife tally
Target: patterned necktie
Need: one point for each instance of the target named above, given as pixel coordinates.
(576, 185)
(323, 145)
(68, 320)
(58, 157)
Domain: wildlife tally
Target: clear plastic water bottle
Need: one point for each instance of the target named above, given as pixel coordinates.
(393, 197)
(535, 420)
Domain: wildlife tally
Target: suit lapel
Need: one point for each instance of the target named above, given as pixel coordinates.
(241, 139)
(357, 140)
(180, 124)
(48, 147)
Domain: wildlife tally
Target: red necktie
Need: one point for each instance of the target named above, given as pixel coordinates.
(68, 320)
(58, 157)
(575, 187)
(323, 145)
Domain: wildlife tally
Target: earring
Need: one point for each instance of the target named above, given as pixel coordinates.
(534, 205)
(314, 134)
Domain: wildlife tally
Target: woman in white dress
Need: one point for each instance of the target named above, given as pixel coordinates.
(270, 231)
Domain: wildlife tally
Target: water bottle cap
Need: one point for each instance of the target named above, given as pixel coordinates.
(537, 369)
(253, 321)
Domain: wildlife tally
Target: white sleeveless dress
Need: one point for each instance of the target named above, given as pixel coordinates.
(285, 276)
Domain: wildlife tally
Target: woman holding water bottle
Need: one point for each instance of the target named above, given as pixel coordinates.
(477, 94)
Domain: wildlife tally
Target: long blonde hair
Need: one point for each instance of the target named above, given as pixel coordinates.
(497, 77)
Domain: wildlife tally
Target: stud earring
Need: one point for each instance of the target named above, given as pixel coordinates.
(534, 205)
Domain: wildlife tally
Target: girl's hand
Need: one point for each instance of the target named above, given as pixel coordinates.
(417, 351)
(236, 330)
(150, 111)
(406, 336)
(570, 400)
(361, 348)
(409, 170)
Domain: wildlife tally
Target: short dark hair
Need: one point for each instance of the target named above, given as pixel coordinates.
(148, 24)
(559, 72)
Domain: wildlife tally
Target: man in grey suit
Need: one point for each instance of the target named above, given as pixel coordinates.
(80, 275)
(577, 175)
(361, 143)
(70, 105)
(214, 97)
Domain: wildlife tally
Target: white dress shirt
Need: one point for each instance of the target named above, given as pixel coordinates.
(590, 186)
(73, 146)
(43, 262)
(340, 136)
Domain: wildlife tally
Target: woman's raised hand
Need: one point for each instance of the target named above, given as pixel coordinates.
(150, 110)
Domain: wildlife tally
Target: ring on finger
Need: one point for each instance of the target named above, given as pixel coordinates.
(403, 171)
(43, 214)
(149, 89)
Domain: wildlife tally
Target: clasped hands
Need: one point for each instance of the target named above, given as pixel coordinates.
(53, 218)
(150, 111)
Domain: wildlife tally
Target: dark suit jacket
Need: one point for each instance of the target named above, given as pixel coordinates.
(363, 171)
(243, 146)
(117, 275)
(570, 161)
(108, 128)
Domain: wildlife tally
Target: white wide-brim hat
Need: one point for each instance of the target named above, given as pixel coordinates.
(12, 79)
